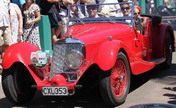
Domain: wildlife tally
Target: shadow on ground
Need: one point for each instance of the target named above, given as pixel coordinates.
(158, 75)
(168, 77)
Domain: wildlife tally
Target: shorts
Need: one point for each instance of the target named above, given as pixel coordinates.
(5, 36)
(54, 18)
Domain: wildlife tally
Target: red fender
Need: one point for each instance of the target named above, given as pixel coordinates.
(19, 52)
(107, 54)
(159, 43)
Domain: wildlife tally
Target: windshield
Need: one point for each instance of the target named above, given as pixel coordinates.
(101, 13)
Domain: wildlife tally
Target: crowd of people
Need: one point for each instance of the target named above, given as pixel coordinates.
(20, 23)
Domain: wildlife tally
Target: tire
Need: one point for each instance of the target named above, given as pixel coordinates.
(168, 49)
(115, 83)
(16, 84)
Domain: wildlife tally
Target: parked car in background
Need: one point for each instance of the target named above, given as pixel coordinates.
(103, 49)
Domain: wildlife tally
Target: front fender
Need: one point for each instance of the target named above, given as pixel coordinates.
(107, 54)
(19, 52)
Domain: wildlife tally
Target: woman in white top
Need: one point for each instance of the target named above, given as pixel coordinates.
(16, 21)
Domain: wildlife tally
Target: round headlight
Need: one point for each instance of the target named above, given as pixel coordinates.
(39, 59)
(74, 59)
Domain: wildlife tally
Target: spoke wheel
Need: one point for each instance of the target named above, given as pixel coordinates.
(115, 83)
(119, 78)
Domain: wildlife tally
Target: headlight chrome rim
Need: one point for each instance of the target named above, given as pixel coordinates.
(79, 61)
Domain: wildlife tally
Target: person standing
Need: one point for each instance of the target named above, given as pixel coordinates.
(31, 16)
(5, 33)
(16, 21)
(51, 8)
(64, 13)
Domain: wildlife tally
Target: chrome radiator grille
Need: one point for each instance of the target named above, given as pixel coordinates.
(61, 49)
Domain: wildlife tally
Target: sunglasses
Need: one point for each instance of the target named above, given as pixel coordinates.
(125, 8)
(137, 13)
(90, 7)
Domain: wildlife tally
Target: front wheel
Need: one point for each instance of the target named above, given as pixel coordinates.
(16, 84)
(115, 83)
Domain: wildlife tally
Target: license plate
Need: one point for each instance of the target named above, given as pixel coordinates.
(55, 91)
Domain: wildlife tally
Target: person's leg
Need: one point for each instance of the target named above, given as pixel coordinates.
(56, 31)
(56, 26)
(54, 36)
(59, 29)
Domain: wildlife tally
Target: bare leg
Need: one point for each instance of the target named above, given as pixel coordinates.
(56, 32)
(54, 37)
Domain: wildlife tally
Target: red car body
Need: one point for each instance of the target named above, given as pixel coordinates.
(103, 42)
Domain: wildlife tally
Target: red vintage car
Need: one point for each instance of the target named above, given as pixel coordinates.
(102, 46)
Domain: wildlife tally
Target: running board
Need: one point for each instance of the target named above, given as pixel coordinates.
(158, 60)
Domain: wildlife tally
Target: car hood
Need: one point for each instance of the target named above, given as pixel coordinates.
(89, 33)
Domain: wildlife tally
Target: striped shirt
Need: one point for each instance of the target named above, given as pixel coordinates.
(4, 13)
